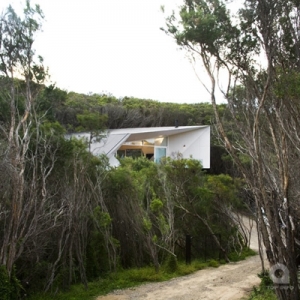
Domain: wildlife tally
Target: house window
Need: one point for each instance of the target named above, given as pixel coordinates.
(134, 153)
(154, 148)
(121, 153)
(159, 153)
(148, 142)
(162, 141)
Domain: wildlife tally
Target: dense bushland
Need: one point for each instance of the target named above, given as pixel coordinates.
(66, 216)
(80, 219)
(252, 57)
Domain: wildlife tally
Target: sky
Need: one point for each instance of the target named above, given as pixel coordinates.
(115, 47)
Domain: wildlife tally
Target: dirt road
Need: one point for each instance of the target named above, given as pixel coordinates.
(232, 281)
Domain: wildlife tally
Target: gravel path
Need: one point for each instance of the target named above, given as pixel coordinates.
(232, 281)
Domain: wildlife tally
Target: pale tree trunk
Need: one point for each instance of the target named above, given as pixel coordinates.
(265, 122)
(27, 210)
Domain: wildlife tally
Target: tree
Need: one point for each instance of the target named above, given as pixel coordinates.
(93, 123)
(153, 207)
(208, 204)
(17, 60)
(264, 143)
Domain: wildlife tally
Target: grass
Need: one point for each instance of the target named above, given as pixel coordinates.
(243, 255)
(121, 279)
(264, 291)
(263, 295)
(133, 277)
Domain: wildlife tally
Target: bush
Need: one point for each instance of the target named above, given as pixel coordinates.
(213, 263)
(234, 256)
(264, 291)
(171, 264)
(9, 287)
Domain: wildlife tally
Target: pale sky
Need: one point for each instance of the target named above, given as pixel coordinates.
(115, 46)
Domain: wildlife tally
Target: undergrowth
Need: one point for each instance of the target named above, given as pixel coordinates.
(134, 277)
(264, 291)
(234, 256)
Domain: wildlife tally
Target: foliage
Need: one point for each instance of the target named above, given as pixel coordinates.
(10, 286)
(162, 203)
(90, 121)
(213, 263)
(124, 279)
(234, 256)
(171, 264)
(262, 99)
(264, 291)
(123, 113)
(66, 215)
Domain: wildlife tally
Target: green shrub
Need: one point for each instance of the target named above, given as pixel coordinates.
(196, 265)
(264, 291)
(199, 264)
(144, 274)
(171, 264)
(213, 263)
(10, 287)
(234, 256)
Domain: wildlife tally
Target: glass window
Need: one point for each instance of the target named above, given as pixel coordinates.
(163, 141)
(121, 153)
(148, 142)
(159, 154)
(133, 153)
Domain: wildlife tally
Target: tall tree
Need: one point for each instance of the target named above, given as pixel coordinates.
(17, 61)
(255, 54)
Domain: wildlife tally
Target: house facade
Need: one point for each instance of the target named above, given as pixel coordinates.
(154, 143)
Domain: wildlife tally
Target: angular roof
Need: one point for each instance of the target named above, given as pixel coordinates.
(116, 137)
(152, 132)
(109, 144)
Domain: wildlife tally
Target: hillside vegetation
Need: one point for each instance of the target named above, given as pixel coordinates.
(76, 219)
(67, 217)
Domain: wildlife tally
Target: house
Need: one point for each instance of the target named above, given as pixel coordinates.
(154, 143)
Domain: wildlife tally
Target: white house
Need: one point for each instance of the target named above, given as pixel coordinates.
(155, 143)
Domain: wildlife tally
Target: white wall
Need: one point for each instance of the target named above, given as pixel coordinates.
(113, 161)
(195, 144)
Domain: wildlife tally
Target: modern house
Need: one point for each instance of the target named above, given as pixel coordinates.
(154, 143)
